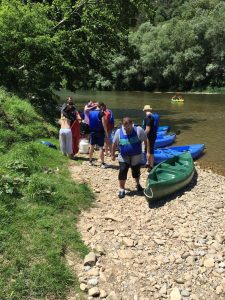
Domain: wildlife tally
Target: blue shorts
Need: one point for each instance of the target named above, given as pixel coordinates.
(97, 138)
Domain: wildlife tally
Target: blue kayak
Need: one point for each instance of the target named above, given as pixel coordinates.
(163, 154)
(162, 132)
(164, 140)
(163, 128)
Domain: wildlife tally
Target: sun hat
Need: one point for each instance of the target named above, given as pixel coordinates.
(147, 107)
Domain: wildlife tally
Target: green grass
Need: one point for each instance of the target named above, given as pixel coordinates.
(39, 207)
(19, 121)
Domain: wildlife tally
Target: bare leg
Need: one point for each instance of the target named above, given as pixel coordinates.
(152, 160)
(101, 154)
(137, 180)
(122, 184)
(108, 147)
(91, 152)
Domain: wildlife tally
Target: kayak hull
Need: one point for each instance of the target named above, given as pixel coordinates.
(162, 141)
(162, 132)
(170, 176)
(163, 128)
(163, 154)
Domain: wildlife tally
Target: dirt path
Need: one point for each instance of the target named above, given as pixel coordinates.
(173, 251)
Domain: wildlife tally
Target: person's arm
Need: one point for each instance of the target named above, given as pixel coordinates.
(115, 143)
(104, 125)
(60, 120)
(88, 108)
(79, 119)
(142, 136)
(63, 107)
(114, 147)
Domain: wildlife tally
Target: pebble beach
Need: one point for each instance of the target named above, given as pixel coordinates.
(171, 249)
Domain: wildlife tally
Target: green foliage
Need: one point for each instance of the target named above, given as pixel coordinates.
(39, 206)
(26, 38)
(84, 44)
(20, 122)
(50, 42)
(185, 52)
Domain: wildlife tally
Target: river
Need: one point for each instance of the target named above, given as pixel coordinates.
(200, 119)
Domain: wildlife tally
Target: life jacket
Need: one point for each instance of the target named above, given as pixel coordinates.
(156, 123)
(95, 123)
(129, 145)
(109, 119)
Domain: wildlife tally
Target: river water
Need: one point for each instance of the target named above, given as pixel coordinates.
(200, 119)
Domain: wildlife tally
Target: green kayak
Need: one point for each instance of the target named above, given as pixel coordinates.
(170, 176)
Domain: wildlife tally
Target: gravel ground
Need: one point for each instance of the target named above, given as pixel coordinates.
(172, 249)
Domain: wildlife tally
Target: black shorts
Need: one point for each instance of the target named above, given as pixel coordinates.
(124, 167)
(97, 138)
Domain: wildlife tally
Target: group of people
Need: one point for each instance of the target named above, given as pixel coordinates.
(98, 122)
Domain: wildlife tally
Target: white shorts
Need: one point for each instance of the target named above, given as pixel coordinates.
(65, 138)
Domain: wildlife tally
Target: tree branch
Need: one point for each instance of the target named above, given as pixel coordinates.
(72, 12)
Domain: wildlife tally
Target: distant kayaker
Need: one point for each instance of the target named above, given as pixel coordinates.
(129, 139)
(98, 132)
(177, 97)
(150, 125)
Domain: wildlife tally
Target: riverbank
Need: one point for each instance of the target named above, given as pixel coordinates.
(173, 250)
(39, 207)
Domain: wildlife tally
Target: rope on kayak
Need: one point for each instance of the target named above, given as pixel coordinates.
(147, 196)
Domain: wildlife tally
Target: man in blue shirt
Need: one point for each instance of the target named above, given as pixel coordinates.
(150, 125)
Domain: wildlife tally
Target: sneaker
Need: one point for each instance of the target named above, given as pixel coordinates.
(90, 163)
(139, 188)
(121, 194)
(104, 166)
(74, 158)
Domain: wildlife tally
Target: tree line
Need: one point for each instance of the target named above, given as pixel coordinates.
(116, 44)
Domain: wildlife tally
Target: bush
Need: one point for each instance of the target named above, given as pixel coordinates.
(20, 122)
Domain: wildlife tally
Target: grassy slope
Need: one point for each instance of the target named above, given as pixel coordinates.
(39, 206)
